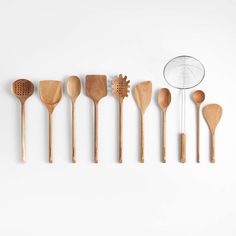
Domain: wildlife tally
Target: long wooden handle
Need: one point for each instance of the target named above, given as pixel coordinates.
(183, 147)
(50, 159)
(212, 148)
(163, 137)
(198, 134)
(142, 140)
(23, 132)
(120, 158)
(96, 132)
(73, 134)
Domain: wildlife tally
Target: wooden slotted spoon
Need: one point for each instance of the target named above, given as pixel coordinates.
(50, 94)
(120, 89)
(22, 89)
(96, 88)
(73, 90)
(142, 95)
(212, 114)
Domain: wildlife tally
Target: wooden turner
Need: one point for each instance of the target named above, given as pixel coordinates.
(120, 89)
(212, 114)
(96, 88)
(142, 95)
(50, 93)
(22, 89)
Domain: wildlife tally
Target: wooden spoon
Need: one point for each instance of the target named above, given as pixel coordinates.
(164, 99)
(73, 90)
(198, 97)
(22, 89)
(142, 95)
(120, 89)
(50, 93)
(212, 114)
(96, 88)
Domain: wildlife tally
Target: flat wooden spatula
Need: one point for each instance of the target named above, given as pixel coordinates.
(96, 88)
(212, 114)
(142, 95)
(50, 93)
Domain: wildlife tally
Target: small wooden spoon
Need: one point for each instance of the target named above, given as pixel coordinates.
(142, 95)
(212, 114)
(73, 90)
(164, 99)
(198, 97)
(22, 89)
(120, 89)
(50, 93)
(96, 88)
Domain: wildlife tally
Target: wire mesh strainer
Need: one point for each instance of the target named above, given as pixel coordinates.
(183, 72)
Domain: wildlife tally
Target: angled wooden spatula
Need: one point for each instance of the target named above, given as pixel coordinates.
(96, 88)
(50, 93)
(212, 114)
(73, 90)
(142, 95)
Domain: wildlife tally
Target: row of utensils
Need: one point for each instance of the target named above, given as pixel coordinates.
(96, 88)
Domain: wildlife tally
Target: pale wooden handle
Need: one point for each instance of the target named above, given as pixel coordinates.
(198, 134)
(163, 137)
(96, 132)
(142, 141)
(120, 159)
(183, 147)
(23, 132)
(50, 159)
(212, 148)
(73, 134)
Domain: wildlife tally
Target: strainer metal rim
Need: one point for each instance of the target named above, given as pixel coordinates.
(181, 57)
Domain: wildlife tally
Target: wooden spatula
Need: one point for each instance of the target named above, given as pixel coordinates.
(212, 114)
(50, 93)
(73, 90)
(22, 89)
(142, 95)
(120, 89)
(96, 88)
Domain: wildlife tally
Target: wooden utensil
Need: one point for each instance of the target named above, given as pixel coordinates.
(22, 89)
(120, 89)
(96, 88)
(73, 90)
(198, 97)
(212, 114)
(164, 99)
(50, 93)
(142, 95)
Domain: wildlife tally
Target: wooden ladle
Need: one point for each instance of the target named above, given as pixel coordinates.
(22, 89)
(142, 95)
(50, 93)
(73, 90)
(164, 99)
(96, 88)
(212, 114)
(198, 98)
(120, 89)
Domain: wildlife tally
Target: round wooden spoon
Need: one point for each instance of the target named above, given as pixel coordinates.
(73, 90)
(164, 99)
(22, 89)
(198, 97)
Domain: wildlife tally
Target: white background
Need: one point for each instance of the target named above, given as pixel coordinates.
(54, 39)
